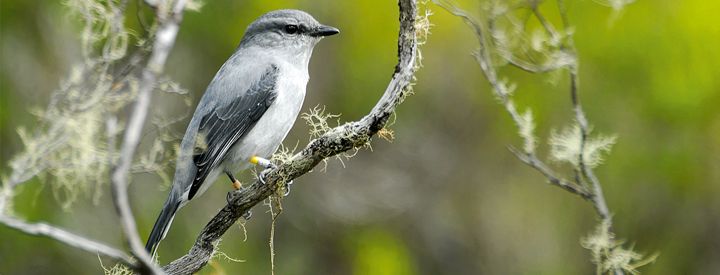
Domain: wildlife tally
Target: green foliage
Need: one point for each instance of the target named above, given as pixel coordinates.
(378, 252)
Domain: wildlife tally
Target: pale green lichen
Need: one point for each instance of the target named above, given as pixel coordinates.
(615, 4)
(610, 256)
(117, 269)
(274, 203)
(422, 31)
(72, 142)
(218, 254)
(283, 155)
(526, 129)
(194, 5)
(6, 196)
(103, 24)
(317, 119)
(566, 147)
(517, 33)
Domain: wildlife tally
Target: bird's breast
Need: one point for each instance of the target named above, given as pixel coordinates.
(265, 137)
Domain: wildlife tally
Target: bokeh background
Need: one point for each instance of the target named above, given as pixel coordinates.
(445, 196)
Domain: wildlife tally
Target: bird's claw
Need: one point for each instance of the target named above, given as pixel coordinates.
(265, 163)
(247, 215)
(263, 174)
(287, 188)
(268, 167)
(229, 197)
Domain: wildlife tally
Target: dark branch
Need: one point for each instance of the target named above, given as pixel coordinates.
(339, 139)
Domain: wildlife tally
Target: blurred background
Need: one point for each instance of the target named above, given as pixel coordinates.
(445, 196)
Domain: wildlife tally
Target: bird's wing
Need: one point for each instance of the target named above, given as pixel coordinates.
(223, 126)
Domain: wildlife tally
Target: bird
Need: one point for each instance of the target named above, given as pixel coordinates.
(247, 109)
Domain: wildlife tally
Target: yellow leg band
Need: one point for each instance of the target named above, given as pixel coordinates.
(260, 161)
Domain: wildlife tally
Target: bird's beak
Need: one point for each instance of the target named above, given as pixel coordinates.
(323, 30)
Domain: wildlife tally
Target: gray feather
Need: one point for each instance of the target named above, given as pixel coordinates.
(227, 123)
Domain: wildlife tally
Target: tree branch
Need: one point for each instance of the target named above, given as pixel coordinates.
(586, 185)
(598, 198)
(169, 15)
(164, 40)
(71, 239)
(532, 161)
(503, 92)
(339, 139)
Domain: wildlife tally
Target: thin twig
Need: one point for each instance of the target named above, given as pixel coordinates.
(583, 173)
(569, 47)
(527, 66)
(71, 239)
(532, 161)
(164, 40)
(544, 22)
(587, 172)
(502, 92)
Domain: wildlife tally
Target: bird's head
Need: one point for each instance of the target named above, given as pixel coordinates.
(290, 31)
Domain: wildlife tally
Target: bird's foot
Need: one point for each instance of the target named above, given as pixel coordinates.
(263, 175)
(268, 165)
(287, 188)
(247, 215)
(265, 163)
(229, 197)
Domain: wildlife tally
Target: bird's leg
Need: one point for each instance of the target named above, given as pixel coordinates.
(265, 163)
(237, 185)
(235, 182)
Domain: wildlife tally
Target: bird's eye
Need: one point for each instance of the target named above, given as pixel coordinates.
(291, 29)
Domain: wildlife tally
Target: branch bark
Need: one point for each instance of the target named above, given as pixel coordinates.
(339, 139)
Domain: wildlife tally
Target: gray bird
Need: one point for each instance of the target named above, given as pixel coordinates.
(247, 110)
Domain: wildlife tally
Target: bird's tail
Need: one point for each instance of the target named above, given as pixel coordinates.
(162, 225)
